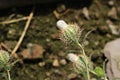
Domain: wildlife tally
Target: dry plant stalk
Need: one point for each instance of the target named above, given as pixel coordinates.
(14, 20)
(22, 35)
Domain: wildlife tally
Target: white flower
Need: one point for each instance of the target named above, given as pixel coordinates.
(61, 24)
(73, 58)
(79, 63)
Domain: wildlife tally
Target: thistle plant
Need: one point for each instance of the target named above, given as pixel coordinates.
(5, 62)
(79, 64)
(70, 33)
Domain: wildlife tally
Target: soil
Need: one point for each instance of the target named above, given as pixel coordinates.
(91, 15)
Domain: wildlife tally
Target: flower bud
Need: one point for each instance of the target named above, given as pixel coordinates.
(70, 33)
(73, 58)
(4, 57)
(61, 24)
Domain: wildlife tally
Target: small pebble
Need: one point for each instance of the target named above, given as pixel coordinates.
(41, 64)
(61, 54)
(115, 30)
(48, 74)
(113, 13)
(58, 72)
(111, 3)
(86, 13)
(63, 62)
(56, 63)
(72, 76)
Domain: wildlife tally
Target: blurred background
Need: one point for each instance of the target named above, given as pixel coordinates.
(48, 60)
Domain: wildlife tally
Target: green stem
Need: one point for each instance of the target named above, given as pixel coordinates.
(86, 61)
(84, 75)
(105, 78)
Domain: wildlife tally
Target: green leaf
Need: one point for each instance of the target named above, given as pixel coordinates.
(99, 71)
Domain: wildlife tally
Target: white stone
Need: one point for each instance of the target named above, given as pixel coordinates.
(112, 52)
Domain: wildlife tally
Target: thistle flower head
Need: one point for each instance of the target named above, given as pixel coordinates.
(79, 63)
(4, 57)
(70, 33)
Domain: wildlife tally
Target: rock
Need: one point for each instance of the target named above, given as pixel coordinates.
(86, 13)
(113, 13)
(33, 51)
(58, 72)
(61, 54)
(72, 76)
(56, 63)
(48, 74)
(63, 62)
(112, 52)
(114, 29)
(111, 3)
(41, 64)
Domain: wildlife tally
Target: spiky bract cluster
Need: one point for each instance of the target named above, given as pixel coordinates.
(70, 33)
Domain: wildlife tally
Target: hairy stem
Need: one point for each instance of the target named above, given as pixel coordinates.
(86, 61)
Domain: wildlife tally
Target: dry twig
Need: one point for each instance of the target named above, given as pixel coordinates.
(56, 14)
(14, 20)
(5, 46)
(22, 35)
